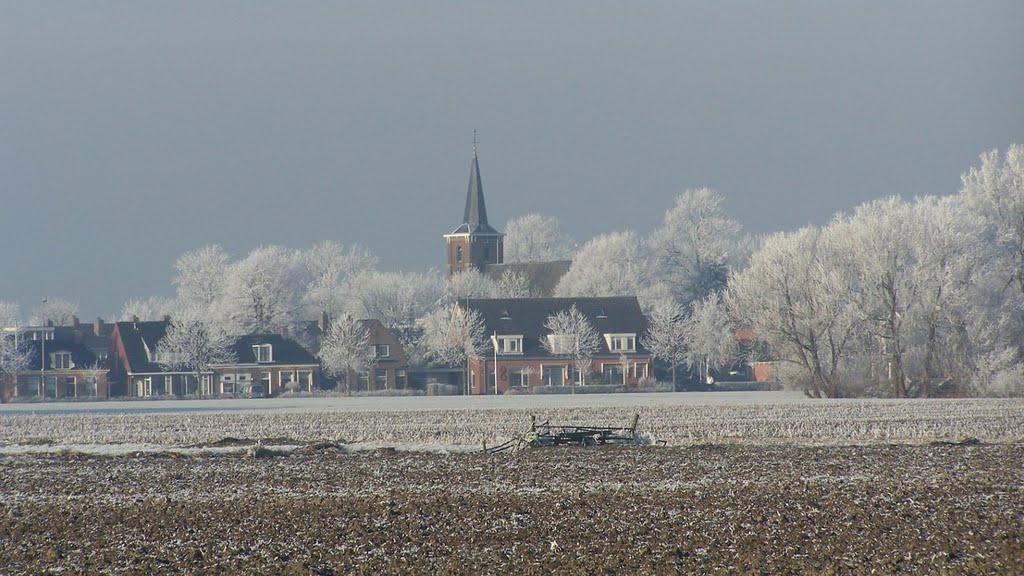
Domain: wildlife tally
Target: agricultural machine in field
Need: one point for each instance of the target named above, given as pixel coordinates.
(547, 434)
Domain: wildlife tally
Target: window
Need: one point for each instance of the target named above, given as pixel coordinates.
(400, 379)
(380, 379)
(287, 377)
(306, 380)
(553, 375)
(263, 352)
(509, 344)
(62, 361)
(69, 387)
(458, 253)
(519, 377)
(621, 342)
(383, 351)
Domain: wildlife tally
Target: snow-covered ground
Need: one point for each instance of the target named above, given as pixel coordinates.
(454, 423)
(407, 403)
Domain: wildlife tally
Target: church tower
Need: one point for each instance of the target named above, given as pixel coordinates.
(474, 244)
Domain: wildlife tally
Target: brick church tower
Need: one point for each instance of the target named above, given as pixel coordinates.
(474, 244)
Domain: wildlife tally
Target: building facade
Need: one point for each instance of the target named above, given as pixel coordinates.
(519, 359)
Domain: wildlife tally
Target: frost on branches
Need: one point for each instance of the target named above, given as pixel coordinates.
(571, 334)
(344, 350)
(193, 343)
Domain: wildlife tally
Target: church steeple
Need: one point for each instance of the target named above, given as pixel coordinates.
(474, 244)
(475, 216)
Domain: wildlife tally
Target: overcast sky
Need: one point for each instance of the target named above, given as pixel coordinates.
(131, 132)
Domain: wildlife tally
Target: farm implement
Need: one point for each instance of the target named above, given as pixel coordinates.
(547, 434)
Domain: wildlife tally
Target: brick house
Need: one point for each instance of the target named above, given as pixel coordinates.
(63, 362)
(390, 370)
(518, 356)
(270, 360)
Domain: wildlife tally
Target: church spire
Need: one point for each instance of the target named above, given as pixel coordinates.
(476, 210)
(474, 244)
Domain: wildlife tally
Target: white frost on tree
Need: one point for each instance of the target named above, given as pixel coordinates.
(995, 191)
(612, 264)
(798, 303)
(513, 284)
(330, 269)
(536, 238)
(570, 333)
(152, 308)
(344, 350)
(199, 276)
(53, 311)
(666, 335)
(452, 335)
(695, 245)
(14, 356)
(262, 293)
(193, 343)
(710, 335)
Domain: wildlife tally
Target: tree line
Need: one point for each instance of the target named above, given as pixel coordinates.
(899, 297)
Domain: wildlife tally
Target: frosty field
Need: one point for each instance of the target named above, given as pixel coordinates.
(731, 484)
(460, 423)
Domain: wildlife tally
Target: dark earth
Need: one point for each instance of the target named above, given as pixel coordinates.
(715, 509)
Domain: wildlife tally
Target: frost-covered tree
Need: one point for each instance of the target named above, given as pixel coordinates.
(798, 303)
(878, 241)
(398, 300)
(54, 311)
(193, 343)
(710, 335)
(536, 238)
(14, 356)
(344, 350)
(152, 308)
(995, 191)
(452, 335)
(666, 335)
(612, 264)
(570, 333)
(694, 246)
(469, 284)
(513, 284)
(262, 292)
(330, 268)
(200, 275)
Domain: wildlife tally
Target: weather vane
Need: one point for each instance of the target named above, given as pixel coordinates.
(474, 141)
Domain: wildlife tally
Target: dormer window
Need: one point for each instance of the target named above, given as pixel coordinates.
(263, 352)
(62, 361)
(509, 344)
(621, 342)
(505, 315)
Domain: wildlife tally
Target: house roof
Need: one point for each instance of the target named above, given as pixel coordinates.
(285, 351)
(474, 219)
(136, 337)
(526, 317)
(543, 277)
(81, 356)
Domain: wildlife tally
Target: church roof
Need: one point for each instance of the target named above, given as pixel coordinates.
(474, 220)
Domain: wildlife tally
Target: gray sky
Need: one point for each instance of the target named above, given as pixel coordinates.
(131, 132)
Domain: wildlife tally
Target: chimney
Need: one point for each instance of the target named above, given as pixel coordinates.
(97, 326)
(135, 318)
(167, 317)
(74, 321)
(322, 321)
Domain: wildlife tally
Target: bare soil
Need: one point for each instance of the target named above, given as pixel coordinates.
(921, 509)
